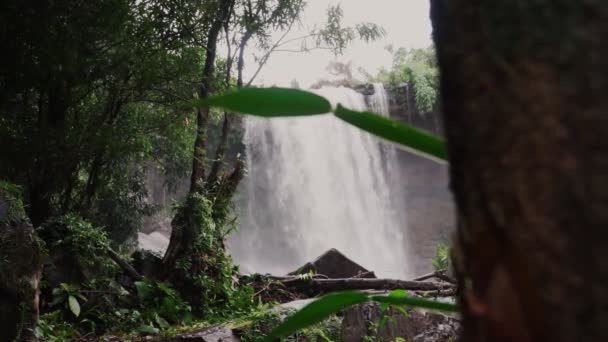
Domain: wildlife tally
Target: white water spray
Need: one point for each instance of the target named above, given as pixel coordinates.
(316, 183)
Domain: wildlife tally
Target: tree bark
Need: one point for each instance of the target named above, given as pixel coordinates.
(182, 238)
(524, 87)
(228, 117)
(21, 256)
(213, 177)
(202, 117)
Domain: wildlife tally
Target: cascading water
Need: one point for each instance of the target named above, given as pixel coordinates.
(316, 183)
(379, 100)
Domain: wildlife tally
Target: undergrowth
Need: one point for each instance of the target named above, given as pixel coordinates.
(261, 323)
(84, 293)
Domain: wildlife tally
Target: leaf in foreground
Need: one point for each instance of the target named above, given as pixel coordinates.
(405, 135)
(416, 302)
(74, 305)
(316, 312)
(270, 102)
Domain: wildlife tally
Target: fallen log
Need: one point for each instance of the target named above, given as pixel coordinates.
(438, 275)
(328, 285)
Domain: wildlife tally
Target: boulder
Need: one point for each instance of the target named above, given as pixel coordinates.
(334, 264)
(147, 263)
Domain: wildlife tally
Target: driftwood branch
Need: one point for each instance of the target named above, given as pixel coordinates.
(437, 275)
(327, 285)
(447, 292)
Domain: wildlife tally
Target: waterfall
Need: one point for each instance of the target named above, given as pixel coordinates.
(379, 100)
(316, 183)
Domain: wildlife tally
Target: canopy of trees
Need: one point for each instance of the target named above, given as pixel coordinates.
(91, 96)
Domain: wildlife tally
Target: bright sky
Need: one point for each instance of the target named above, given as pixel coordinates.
(406, 22)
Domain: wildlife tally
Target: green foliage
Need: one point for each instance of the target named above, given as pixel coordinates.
(160, 305)
(276, 102)
(206, 272)
(415, 302)
(67, 295)
(259, 324)
(260, 19)
(442, 256)
(335, 302)
(395, 294)
(417, 68)
(110, 308)
(335, 37)
(71, 237)
(11, 204)
(112, 73)
(52, 327)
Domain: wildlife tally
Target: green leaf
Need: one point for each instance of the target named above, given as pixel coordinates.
(147, 329)
(74, 306)
(316, 312)
(38, 332)
(417, 302)
(144, 289)
(399, 293)
(270, 102)
(404, 135)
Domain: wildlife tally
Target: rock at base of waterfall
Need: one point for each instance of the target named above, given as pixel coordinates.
(419, 325)
(146, 262)
(334, 264)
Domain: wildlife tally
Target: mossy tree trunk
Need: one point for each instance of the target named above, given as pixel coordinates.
(524, 86)
(21, 254)
(185, 235)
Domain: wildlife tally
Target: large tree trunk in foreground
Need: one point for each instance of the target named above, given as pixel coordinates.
(525, 90)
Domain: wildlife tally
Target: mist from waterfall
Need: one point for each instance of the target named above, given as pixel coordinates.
(316, 183)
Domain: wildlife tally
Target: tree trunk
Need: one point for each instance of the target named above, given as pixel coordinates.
(219, 153)
(21, 254)
(185, 229)
(524, 88)
(202, 117)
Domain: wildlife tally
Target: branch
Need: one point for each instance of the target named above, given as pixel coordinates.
(328, 285)
(438, 275)
(124, 265)
(264, 58)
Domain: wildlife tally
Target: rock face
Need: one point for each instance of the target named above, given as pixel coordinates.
(419, 326)
(426, 199)
(20, 269)
(334, 264)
